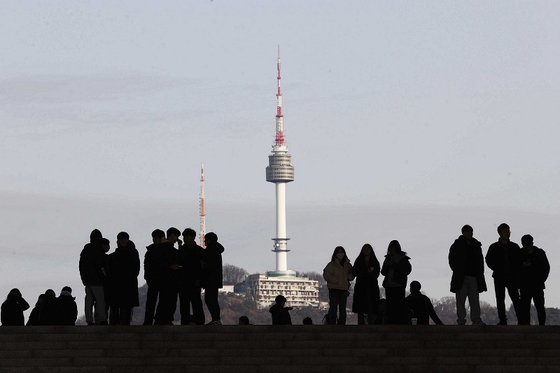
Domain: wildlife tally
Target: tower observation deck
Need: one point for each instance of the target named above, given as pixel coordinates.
(280, 171)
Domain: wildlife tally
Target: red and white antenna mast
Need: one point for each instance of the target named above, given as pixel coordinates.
(279, 118)
(202, 213)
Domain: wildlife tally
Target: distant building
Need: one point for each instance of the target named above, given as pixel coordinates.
(299, 291)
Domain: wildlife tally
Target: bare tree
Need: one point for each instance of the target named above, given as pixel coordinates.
(234, 275)
(313, 276)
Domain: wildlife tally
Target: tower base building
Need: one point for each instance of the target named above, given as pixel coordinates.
(299, 291)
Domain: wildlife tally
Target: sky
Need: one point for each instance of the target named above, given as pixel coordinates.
(405, 120)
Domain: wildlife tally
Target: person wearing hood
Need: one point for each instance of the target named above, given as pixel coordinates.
(212, 278)
(92, 273)
(338, 274)
(534, 272)
(366, 291)
(151, 275)
(12, 309)
(396, 269)
(467, 281)
(68, 304)
(122, 280)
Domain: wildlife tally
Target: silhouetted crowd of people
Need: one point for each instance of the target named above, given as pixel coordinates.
(521, 271)
(171, 273)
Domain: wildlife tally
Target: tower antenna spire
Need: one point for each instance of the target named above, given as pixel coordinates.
(279, 141)
(202, 213)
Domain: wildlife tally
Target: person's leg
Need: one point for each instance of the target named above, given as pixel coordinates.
(125, 315)
(196, 301)
(390, 296)
(361, 318)
(500, 290)
(513, 293)
(342, 298)
(184, 305)
(151, 299)
(89, 302)
(211, 300)
(333, 304)
(538, 299)
(401, 306)
(460, 298)
(114, 315)
(525, 305)
(100, 307)
(474, 301)
(167, 304)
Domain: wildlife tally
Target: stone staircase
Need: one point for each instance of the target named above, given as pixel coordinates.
(282, 349)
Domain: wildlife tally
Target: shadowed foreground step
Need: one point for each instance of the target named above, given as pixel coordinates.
(298, 348)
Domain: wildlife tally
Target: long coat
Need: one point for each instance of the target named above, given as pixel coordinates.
(457, 262)
(366, 283)
(123, 267)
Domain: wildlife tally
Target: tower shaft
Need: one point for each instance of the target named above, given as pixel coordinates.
(280, 172)
(202, 212)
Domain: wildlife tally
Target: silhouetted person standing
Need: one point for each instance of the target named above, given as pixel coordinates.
(366, 290)
(213, 275)
(338, 274)
(190, 255)
(167, 272)
(396, 269)
(12, 309)
(151, 259)
(504, 258)
(534, 272)
(421, 306)
(122, 278)
(69, 307)
(92, 273)
(467, 263)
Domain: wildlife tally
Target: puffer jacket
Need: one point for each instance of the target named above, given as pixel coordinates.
(338, 276)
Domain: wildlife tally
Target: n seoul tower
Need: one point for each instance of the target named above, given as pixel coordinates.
(280, 171)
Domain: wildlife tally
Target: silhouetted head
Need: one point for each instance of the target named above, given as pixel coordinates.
(307, 321)
(467, 231)
(210, 238)
(394, 248)
(527, 240)
(415, 286)
(106, 244)
(50, 293)
(243, 320)
(95, 236)
(367, 249)
(189, 232)
(504, 231)
(157, 235)
(67, 289)
(14, 294)
(280, 299)
(122, 239)
(189, 236)
(173, 234)
(339, 253)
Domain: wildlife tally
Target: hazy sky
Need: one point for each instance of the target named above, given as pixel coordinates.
(405, 120)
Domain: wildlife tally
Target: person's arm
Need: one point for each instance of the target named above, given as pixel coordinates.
(328, 273)
(403, 266)
(432, 312)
